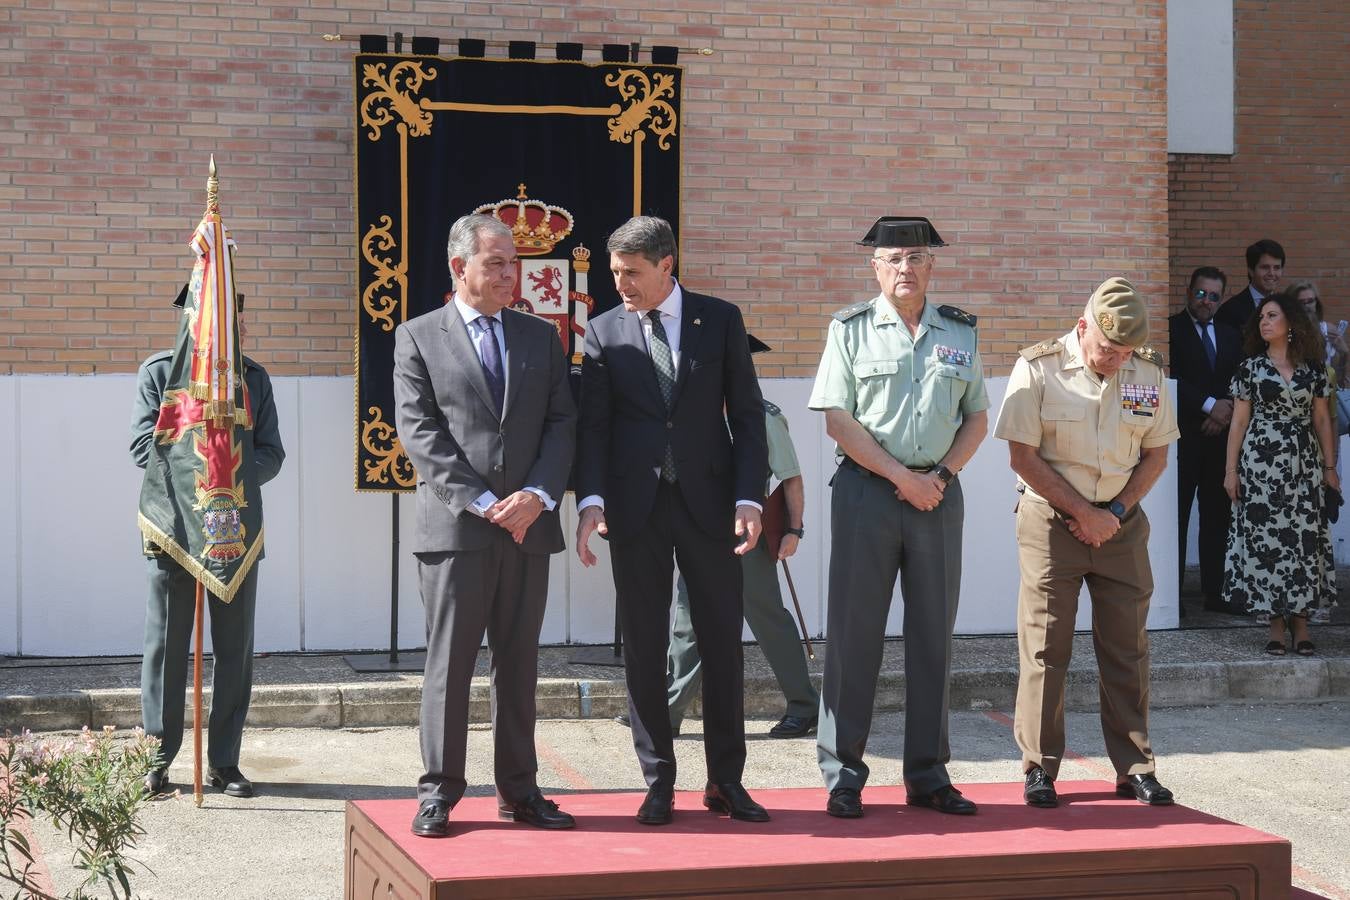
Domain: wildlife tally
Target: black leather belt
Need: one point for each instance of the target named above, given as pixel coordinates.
(850, 463)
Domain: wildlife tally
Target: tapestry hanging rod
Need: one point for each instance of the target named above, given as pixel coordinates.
(477, 47)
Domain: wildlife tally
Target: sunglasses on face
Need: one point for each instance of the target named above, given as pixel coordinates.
(1211, 296)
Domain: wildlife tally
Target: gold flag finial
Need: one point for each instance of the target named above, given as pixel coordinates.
(212, 188)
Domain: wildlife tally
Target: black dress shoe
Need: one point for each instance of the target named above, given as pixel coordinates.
(845, 803)
(734, 800)
(622, 719)
(432, 819)
(793, 727)
(1040, 789)
(157, 782)
(537, 811)
(1145, 789)
(230, 781)
(945, 799)
(658, 808)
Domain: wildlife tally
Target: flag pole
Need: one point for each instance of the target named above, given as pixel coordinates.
(197, 696)
(212, 199)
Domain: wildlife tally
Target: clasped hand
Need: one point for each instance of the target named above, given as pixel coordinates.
(516, 513)
(923, 492)
(1095, 528)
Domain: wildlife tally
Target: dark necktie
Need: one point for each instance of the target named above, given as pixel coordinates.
(1209, 345)
(490, 355)
(664, 363)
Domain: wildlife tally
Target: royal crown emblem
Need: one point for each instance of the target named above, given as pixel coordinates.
(536, 227)
(556, 288)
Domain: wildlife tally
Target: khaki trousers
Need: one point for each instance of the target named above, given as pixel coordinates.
(1054, 565)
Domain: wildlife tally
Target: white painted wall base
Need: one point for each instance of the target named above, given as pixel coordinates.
(72, 581)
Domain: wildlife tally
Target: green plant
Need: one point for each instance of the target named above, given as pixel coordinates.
(91, 787)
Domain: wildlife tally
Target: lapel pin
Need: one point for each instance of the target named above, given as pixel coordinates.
(698, 321)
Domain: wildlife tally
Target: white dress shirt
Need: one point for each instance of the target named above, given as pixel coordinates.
(1202, 330)
(470, 315)
(671, 309)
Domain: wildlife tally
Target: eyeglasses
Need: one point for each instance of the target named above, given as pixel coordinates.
(1211, 296)
(914, 259)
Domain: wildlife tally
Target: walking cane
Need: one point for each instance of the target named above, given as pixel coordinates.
(197, 699)
(801, 620)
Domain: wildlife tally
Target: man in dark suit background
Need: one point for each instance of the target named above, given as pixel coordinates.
(661, 469)
(485, 412)
(1265, 268)
(1204, 355)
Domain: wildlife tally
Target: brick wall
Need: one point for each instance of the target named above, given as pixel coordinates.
(1033, 133)
(1287, 177)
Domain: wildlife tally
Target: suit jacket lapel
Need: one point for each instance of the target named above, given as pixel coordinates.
(690, 334)
(630, 333)
(517, 355)
(462, 348)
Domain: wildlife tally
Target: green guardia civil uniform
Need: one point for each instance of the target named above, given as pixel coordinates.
(171, 603)
(911, 393)
(769, 620)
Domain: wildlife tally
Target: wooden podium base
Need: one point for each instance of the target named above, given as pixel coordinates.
(1094, 845)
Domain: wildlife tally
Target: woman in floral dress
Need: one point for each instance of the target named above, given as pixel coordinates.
(1280, 455)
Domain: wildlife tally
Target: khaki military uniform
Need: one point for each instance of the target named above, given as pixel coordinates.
(911, 393)
(769, 620)
(1091, 431)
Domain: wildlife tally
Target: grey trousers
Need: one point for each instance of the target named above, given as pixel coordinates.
(169, 614)
(772, 626)
(876, 537)
(500, 590)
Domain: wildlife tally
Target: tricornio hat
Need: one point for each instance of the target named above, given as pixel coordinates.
(756, 345)
(902, 231)
(1119, 311)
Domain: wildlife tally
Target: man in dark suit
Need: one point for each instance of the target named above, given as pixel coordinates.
(1265, 268)
(661, 469)
(1204, 355)
(484, 410)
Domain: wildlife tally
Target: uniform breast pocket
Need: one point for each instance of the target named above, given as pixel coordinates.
(948, 386)
(875, 379)
(1064, 429)
(1136, 426)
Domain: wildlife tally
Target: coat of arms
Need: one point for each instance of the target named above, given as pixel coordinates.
(545, 286)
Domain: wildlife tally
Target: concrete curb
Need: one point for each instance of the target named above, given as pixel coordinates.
(360, 705)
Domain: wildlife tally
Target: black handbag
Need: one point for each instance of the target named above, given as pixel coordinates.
(1331, 503)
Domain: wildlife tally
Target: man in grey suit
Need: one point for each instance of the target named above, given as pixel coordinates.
(485, 413)
(664, 471)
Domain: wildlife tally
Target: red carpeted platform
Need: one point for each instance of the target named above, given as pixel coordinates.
(1094, 845)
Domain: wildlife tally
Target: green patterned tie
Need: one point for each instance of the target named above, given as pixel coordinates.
(664, 364)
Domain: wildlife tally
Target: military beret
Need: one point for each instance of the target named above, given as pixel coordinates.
(1119, 311)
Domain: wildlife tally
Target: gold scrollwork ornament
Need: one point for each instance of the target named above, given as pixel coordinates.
(375, 300)
(379, 440)
(394, 96)
(647, 109)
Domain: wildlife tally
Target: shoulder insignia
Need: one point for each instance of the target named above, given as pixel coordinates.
(959, 314)
(849, 312)
(1044, 348)
(772, 408)
(1148, 353)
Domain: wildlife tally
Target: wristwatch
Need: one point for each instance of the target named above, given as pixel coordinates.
(799, 532)
(1117, 509)
(944, 473)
